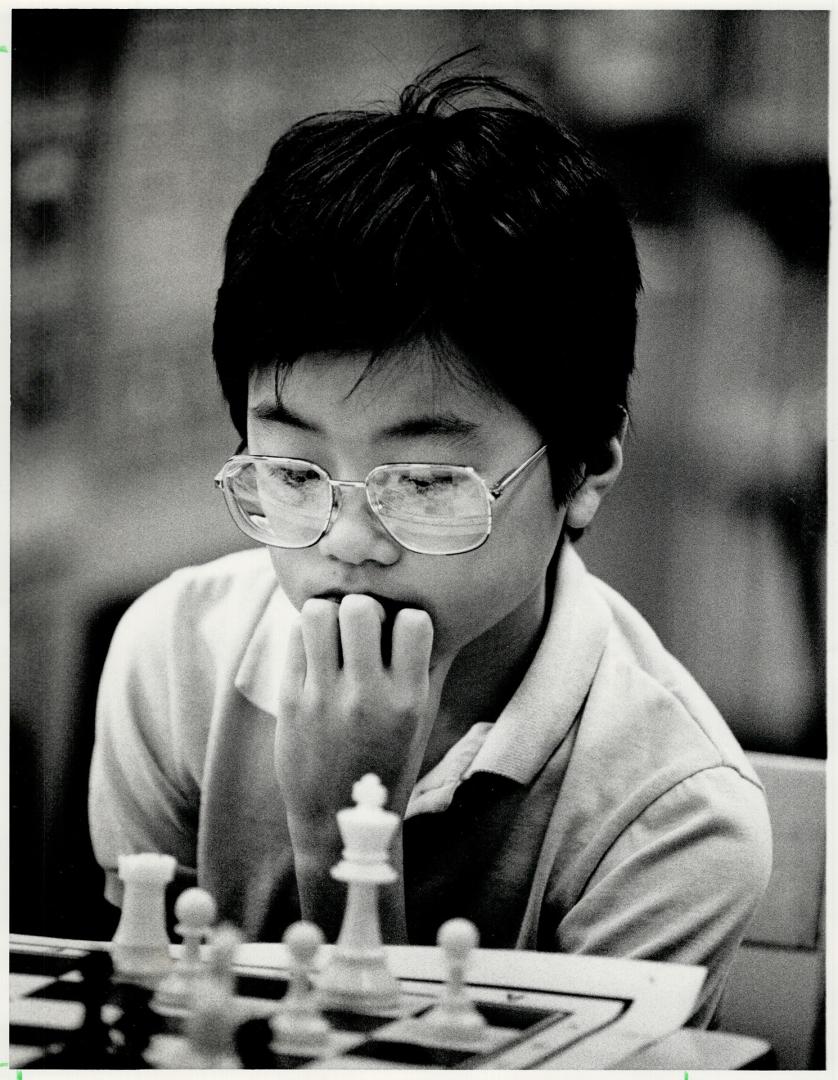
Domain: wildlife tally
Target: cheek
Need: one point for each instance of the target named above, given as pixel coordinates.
(473, 595)
(289, 567)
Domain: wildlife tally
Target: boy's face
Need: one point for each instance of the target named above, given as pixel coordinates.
(411, 409)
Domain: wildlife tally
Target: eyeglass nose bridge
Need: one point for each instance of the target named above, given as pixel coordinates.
(337, 499)
(347, 483)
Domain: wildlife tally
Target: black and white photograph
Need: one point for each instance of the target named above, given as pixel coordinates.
(302, 776)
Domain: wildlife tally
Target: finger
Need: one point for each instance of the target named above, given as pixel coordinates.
(361, 618)
(413, 638)
(319, 620)
(293, 667)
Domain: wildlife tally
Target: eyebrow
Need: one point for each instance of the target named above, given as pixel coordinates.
(439, 424)
(277, 413)
(434, 424)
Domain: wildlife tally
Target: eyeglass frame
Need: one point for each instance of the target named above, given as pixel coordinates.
(335, 487)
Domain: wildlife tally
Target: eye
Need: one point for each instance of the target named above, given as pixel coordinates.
(295, 477)
(420, 483)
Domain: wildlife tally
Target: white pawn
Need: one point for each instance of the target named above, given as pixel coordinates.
(196, 912)
(455, 1017)
(212, 1019)
(298, 1025)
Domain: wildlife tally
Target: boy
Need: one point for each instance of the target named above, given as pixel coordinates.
(425, 333)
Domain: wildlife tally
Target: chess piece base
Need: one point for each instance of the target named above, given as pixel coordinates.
(144, 964)
(296, 1032)
(174, 993)
(457, 1021)
(359, 982)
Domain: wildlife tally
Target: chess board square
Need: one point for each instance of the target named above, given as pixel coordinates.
(35, 1035)
(258, 986)
(22, 1056)
(520, 1017)
(67, 988)
(410, 1054)
(47, 964)
(348, 1021)
(51, 1014)
(25, 985)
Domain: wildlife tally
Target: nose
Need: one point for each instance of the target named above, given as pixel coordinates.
(355, 535)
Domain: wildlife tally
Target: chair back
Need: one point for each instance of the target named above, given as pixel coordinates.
(776, 987)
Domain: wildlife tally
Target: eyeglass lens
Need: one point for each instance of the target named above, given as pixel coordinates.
(427, 508)
(430, 508)
(282, 503)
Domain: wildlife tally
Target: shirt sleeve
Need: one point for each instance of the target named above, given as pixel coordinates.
(681, 882)
(141, 795)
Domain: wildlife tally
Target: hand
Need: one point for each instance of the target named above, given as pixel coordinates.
(343, 712)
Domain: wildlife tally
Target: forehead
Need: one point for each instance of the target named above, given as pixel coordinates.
(406, 382)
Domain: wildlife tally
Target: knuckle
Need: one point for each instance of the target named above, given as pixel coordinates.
(405, 703)
(315, 700)
(357, 701)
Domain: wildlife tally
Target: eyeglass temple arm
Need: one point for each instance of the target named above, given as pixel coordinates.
(510, 476)
(506, 480)
(240, 449)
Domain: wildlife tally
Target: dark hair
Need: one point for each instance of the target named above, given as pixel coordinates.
(484, 229)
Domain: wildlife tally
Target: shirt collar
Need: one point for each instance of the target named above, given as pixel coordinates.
(551, 694)
(259, 671)
(542, 709)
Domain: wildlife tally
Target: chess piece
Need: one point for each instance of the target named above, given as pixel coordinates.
(195, 911)
(211, 1022)
(298, 1025)
(357, 977)
(455, 1017)
(140, 947)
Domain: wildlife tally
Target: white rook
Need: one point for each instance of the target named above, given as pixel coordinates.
(140, 947)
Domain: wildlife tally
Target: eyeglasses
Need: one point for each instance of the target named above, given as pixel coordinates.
(429, 509)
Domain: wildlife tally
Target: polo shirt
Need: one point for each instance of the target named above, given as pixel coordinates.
(608, 810)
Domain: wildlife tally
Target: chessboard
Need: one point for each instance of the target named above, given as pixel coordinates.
(49, 1028)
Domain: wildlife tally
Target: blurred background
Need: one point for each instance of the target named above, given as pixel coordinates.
(135, 134)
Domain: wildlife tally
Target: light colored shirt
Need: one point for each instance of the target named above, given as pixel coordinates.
(608, 810)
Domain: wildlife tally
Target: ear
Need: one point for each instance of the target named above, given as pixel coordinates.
(599, 477)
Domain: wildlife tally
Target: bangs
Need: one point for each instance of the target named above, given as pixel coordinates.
(435, 352)
(356, 255)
